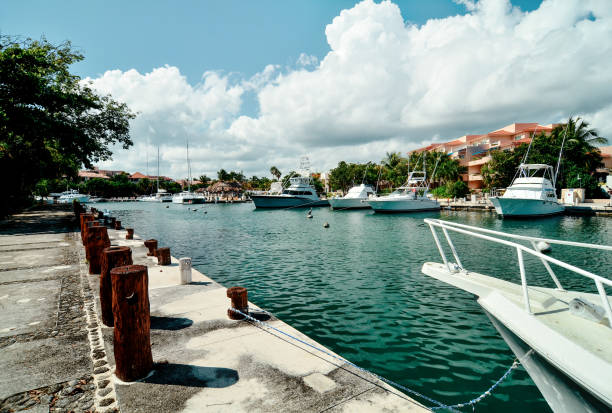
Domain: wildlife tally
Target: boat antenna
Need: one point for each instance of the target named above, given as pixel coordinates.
(561, 152)
(364, 172)
(188, 170)
(379, 174)
(433, 173)
(530, 142)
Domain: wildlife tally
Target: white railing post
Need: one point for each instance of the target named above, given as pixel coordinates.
(452, 247)
(604, 301)
(550, 270)
(435, 236)
(523, 279)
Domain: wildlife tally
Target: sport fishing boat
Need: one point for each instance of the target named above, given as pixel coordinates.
(300, 193)
(531, 194)
(67, 197)
(411, 197)
(160, 196)
(562, 337)
(356, 198)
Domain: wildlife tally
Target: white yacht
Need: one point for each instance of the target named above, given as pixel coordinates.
(68, 196)
(300, 193)
(532, 193)
(411, 197)
(160, 196)
(355, 198)
(562, 337)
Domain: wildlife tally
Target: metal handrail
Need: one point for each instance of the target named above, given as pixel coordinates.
(520, 249)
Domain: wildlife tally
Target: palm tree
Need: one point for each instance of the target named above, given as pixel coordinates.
(275, 172)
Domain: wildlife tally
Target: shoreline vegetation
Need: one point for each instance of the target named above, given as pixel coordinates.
(53, 125)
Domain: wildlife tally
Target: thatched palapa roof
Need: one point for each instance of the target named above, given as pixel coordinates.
(222, 187)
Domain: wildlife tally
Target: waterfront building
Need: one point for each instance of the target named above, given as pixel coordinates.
(473, 151)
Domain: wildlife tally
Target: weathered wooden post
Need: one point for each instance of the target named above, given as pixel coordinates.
(100, 215)
(88, 226)
(85, 218)
(97, 240)
(132, 335)
(163, 256)
(130, 233)
(151, 244)
(240, 302)
(185, 269)
(112, 221)
(117, 224)
(112, 257)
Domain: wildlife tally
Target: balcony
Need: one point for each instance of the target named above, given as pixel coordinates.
(480, 161)
(475, 177)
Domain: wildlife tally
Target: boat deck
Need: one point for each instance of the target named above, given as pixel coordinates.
(573, 344)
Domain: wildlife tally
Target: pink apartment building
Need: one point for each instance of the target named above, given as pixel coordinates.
(472, 151)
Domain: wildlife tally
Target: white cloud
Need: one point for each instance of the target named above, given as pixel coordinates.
(307, 60)
(387, 86)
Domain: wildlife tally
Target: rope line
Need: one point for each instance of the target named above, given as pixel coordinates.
(438, 405)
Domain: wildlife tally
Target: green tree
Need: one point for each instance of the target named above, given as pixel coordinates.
(222, 175)
(50, 123)
(275, 172)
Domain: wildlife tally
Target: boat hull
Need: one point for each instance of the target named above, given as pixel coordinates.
(520, 207)
(349, 203)
(404, 205)
(278, 201)
(187, 201)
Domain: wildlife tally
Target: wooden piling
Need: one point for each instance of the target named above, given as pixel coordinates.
(240, 301)
(130, 233)
(151, 244)
(85, 218)
(132, 332)
(112, 257)
(97, 240)
(163, 256)
(117, 224)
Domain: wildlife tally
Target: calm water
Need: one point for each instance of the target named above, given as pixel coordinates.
(357, 287)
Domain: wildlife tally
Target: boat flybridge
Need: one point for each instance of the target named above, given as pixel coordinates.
(160, 196)
(356, 198)
(562, 337)
(532, 193)
(411, 197)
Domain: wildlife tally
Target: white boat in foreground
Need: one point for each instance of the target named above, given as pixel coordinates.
(68, 196)
(160, 196)
(411, 197)
(356, 198)
(562, 338)
(532, 193)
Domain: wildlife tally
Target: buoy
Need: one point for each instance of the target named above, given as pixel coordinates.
(308, 216)
(543, 246)
(167, 206)
(206, 212)
(326, 225)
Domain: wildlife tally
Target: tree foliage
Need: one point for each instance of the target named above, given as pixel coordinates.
(50, 123)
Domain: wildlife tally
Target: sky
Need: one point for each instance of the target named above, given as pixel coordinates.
(252, 84)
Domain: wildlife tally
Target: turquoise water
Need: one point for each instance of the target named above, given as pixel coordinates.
(357, 286)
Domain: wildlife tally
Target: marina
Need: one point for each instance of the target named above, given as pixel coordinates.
(440, 343)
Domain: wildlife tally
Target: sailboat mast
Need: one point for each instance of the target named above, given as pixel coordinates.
(188, 170)
(157, 168)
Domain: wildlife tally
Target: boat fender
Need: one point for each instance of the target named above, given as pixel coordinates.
(543, 246)
(587, 310)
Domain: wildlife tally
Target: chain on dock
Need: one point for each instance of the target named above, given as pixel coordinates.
(437, 405)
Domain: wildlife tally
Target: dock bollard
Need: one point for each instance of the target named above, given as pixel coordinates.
(112, 257)
(240, 301)
(112, 221)
(163, 256)
(132, 319)
(85, 218)
(185, 267)
(130, 233)
(90, 224)
(100, 215)
(117, 224)
(151, 244)
(97, 240)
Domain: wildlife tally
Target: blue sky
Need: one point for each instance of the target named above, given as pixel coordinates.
(251, 84)
(229, 35)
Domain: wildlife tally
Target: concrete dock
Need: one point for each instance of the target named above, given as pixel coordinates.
(57, 356)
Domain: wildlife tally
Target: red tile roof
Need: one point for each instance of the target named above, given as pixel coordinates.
(91, 174)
